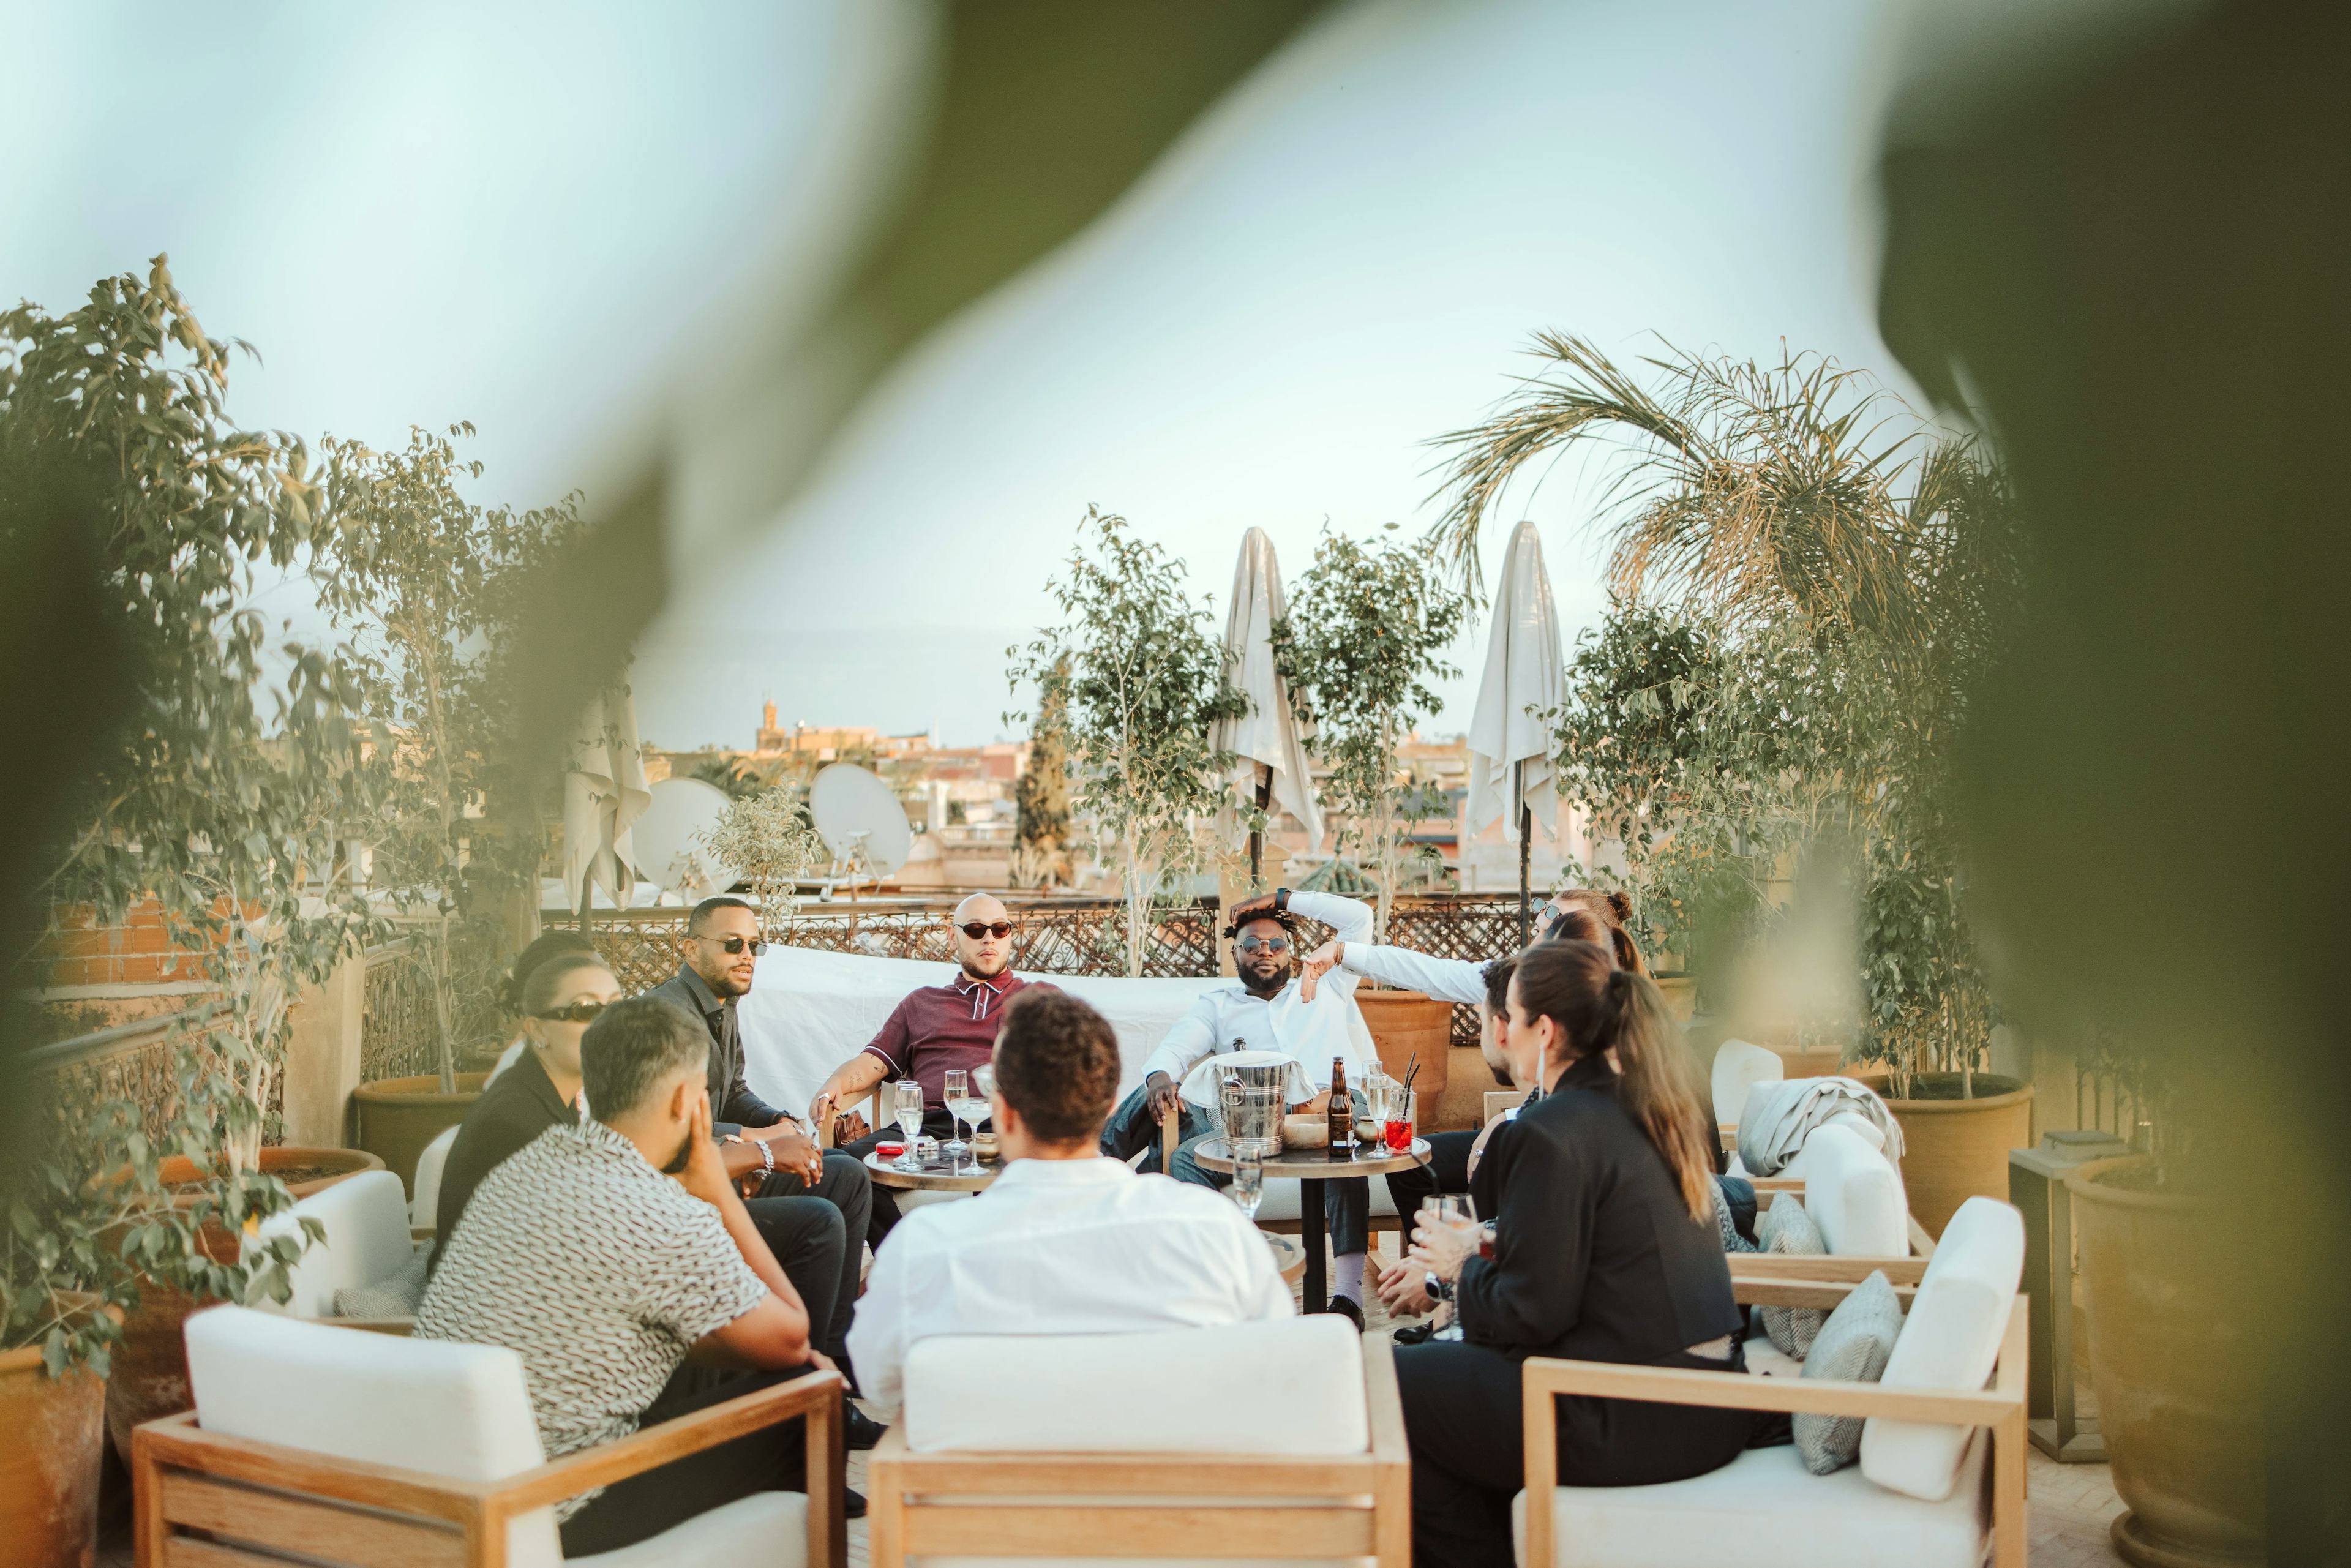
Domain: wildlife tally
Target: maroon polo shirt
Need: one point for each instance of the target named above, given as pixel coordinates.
(941, 1027)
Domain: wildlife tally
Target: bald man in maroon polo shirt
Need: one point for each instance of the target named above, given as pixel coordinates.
(936, 1029)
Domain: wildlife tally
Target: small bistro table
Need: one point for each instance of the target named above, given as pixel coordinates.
(1310, 1168)
(885, 1172)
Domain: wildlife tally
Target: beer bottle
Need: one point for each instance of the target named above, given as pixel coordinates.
(1342, 1113)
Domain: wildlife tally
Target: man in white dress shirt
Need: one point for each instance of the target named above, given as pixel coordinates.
(1066, 1240)
(1266, 1009)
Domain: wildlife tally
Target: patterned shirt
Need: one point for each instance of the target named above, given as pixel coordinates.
(598, 1269)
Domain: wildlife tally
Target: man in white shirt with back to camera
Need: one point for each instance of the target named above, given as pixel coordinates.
(1066, 1240)
(1266, 1009)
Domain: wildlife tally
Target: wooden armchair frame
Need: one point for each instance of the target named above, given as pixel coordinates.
(2000, 1408)
(1363, 1504)
(259, 1501)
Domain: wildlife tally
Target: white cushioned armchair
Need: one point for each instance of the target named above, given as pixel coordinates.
(316, 1444)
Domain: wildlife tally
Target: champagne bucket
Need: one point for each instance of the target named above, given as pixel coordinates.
(1253, 1099)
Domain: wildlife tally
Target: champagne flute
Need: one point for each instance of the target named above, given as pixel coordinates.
(957, 1095)
(906, 1104)
(1249, 1187)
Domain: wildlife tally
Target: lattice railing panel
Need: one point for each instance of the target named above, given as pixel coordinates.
(400, 1028)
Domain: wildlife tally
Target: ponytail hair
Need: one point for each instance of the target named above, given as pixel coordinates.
(1600, 1008)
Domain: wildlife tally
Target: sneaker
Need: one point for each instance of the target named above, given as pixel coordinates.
(1347, 1309)
(858, 1431)
(853, 1503)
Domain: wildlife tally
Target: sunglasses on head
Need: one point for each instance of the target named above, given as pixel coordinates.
(976, 929)
(1255, 944)
(736, 945)
(578, 1012)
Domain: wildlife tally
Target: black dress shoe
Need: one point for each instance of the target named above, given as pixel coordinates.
(858, 1431)
(1347, 1309)
(1416, 1334)
(853, 1503)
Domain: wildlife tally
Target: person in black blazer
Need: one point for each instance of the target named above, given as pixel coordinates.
(1606, 1250)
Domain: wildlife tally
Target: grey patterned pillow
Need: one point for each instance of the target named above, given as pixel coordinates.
(1851, 1346)
(1731, 1241)
(395, 1297)
(1789, 1231)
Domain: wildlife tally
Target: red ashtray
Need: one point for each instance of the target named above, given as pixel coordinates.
(889, 1151)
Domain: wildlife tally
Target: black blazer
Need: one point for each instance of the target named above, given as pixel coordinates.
(733, 1106)
(1596, 1258)
(515, 1109)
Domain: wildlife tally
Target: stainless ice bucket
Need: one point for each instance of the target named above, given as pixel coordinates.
(1253, 1100)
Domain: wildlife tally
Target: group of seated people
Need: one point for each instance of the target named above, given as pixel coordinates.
(650, 1236)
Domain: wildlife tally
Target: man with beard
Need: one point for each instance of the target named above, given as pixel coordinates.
(1266, 1009)
(936, 1029)
(582, 1256)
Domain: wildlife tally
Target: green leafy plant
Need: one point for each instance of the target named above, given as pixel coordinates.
(1040, 797)
(1140, 679)
(1366, 632)
(770, 842)
(226, 800)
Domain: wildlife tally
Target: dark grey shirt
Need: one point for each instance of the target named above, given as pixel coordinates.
(733, 1106)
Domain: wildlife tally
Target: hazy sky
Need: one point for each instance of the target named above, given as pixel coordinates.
(420, 216)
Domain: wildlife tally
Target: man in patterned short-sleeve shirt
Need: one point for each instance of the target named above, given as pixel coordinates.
(604, 1274)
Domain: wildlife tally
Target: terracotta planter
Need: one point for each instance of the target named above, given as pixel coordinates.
(149, 1377)
(2177, 1379)
(396, 1117)
(1409, 1026)
(1953, 1150)
(50, 1433)
(1681, 993)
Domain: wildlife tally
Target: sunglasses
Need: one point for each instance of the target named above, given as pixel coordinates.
(1256, 945)
(976, 929)
(578, 1012)
(736, 945)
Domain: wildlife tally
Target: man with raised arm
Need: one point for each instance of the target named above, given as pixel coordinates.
(935, 1030)
(582, 1255)
(1266, 1009)
(1066, 1240)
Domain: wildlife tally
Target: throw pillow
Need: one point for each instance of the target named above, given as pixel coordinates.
(1726, 1217)
(1789, 1231)
(395, 1297)
(1851, 1347)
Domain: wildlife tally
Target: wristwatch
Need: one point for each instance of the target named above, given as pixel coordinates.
(1438, 1290)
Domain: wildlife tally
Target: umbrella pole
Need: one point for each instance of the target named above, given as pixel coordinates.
(1526, 824)
(1257, 834)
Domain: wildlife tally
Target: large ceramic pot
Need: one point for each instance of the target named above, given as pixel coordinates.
(1409, 1027)
(149, 1377)
(2175, 1375)
(1680, 991)
(396, 1117)
(50, 1433)
(1954, 1149)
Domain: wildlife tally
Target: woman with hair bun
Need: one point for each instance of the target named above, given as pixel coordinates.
(1606, 1249)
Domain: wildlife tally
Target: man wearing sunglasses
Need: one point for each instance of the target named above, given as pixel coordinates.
(935, 1030)
(761, 1143)
(1267, 1011)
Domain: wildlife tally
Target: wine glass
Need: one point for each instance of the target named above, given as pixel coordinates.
(906, 1104)
(958, 1094)
(1249, 1187)
(1449, 1209)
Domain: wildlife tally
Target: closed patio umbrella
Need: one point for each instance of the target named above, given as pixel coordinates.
(604, 790)
(1510, 771)
(1268, 746)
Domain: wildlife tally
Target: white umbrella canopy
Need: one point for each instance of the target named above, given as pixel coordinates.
(1269, 735)
(1510, 771)
(604, 790)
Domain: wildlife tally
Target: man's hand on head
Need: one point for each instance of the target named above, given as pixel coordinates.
(705, 1168)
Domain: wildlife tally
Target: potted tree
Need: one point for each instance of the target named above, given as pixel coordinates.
(1366, 632)
(1138, 679)
(424, 579)
(770, 841)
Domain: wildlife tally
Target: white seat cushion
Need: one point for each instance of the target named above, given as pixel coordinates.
(1852, 1193)
(424, 1204)
(769, 1528)
(366, 1221)
(1299, 1380)
(1764, 1511)
(1738, 1066)
(1950, 1342)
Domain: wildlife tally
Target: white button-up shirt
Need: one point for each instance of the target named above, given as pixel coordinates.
(1446, 979)
(1311, 1033)
(1061, 1247)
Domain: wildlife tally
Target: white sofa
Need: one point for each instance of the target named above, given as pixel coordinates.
(1940, 1482)
(365, 1241)
(349, 1430)
(1269, 1442)
(424, 1204)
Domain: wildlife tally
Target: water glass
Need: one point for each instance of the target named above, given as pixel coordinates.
(906, 1108)
(1449, 1209)
(1249, 1187)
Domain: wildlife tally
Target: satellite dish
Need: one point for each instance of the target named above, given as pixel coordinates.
(668, 838)
(862, 823)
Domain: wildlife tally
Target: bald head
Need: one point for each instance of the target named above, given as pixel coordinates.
(989, 953)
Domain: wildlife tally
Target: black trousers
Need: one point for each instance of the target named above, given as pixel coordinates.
(848, 1190)
(937, 1123)
(810, 1244)
(1461, 1420)
(1346, 1204)
(773, 1458)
